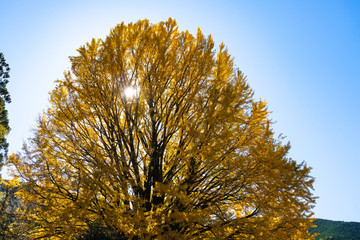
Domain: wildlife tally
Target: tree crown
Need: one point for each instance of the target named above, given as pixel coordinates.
(154, 134)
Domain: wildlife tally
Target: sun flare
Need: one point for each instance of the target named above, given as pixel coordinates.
(131, 92)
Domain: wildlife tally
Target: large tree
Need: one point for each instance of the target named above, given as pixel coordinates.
(154, 134)
(4, 98)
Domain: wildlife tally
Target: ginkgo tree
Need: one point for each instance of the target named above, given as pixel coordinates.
(155, 134)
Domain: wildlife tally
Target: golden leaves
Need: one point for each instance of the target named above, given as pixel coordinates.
(191, 155)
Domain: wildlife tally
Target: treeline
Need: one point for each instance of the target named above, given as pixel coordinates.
(336, 230)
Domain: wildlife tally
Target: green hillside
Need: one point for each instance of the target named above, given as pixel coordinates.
(336, 230)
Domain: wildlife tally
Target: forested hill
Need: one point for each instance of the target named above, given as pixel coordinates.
(336, 230)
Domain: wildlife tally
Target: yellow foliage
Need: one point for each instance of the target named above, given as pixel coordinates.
(191, 155)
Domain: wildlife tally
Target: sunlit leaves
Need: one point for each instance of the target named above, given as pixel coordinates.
(154, 134)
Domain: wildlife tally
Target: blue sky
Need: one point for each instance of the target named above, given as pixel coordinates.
(303, 57)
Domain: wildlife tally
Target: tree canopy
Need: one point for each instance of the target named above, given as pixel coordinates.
(4, 98)
(155, 134)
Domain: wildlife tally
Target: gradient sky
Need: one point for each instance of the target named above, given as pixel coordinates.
(303, 57)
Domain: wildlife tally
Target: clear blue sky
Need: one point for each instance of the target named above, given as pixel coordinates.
(303, 57)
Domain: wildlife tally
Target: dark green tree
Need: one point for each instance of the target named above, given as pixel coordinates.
(4, 98)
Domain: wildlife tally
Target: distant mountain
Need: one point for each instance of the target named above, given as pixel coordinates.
(336, 230)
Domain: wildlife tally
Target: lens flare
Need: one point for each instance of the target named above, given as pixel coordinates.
(131, 92)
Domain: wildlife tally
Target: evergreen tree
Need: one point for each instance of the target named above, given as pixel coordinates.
(4, 98)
